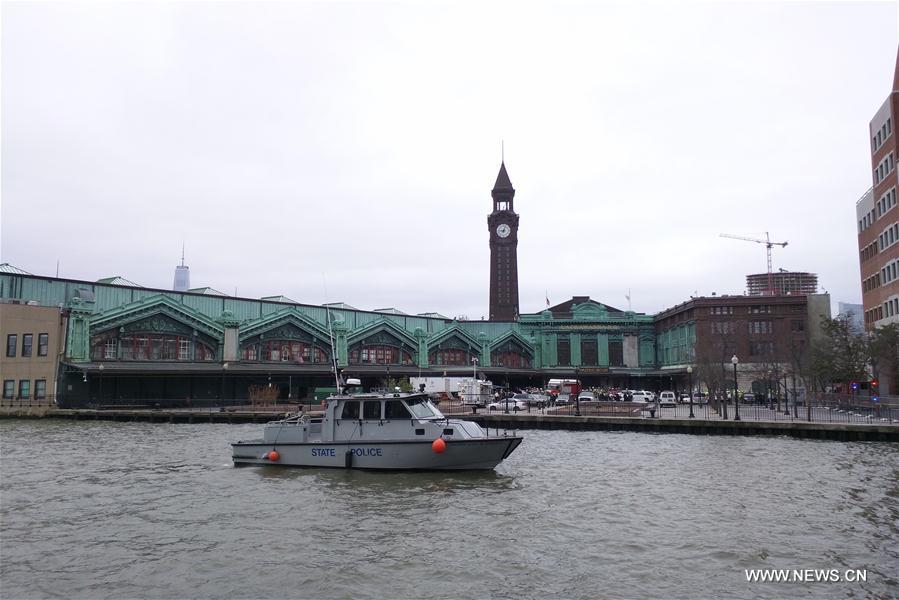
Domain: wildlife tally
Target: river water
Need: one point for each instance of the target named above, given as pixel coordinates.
(141, 510)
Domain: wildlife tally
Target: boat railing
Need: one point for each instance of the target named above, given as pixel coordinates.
(295, 420)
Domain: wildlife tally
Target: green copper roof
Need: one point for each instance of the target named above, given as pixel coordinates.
(208, 291)
(8, 268)
(119, 280)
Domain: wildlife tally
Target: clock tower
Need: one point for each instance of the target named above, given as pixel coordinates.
(503, 226)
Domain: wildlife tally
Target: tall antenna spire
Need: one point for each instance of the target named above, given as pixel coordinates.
(502, 152)
(182, 275)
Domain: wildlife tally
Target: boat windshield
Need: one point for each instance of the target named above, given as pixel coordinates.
(423, 409)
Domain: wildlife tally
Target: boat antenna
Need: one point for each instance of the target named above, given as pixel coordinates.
(331, 339)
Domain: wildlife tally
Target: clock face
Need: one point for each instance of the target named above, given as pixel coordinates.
(503, 230)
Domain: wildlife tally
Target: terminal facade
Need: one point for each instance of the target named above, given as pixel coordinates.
(116, 343)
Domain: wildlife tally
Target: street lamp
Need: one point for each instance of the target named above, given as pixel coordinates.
(787, 397)
(734, 360)
(577, 398)
(475, 390)
(101, 367)
(690, 387)
(795, 406)
(224, 369)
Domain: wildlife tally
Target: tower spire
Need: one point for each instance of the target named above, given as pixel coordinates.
(503, 183)
(182, 254)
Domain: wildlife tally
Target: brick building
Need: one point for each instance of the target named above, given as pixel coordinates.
(770, 335)
(878, 219)
(34, 340)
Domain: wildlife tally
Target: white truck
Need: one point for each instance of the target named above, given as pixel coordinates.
(475, 392)
(472, 392)
(437, 385)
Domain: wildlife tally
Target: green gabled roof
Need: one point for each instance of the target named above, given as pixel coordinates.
(8, 268)
(279, 299)
(342, 305)
(289, 314)
(119, 280)
(512, 334)
(443, 334)
(206, 290)
(382, 323)
(391, 311)
(153, 305)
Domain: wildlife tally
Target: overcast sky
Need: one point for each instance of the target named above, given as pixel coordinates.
(346, 151)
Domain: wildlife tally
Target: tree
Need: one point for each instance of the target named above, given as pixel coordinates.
(404, 384)
(713, 354)
(883, 352)
(801, 365)
(841, 355)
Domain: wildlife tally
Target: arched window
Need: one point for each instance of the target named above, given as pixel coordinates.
(293, 351)
(510, 355)
(449, 356)
(140, 346)
(380, 355)
(511, 360)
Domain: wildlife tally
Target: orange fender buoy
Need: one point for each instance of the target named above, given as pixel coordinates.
(438, 446)
(273, 456)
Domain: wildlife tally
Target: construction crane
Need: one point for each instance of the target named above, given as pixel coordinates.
(768, 245)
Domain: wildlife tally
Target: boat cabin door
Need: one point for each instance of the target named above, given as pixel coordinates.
(371, 422)
(358, 419)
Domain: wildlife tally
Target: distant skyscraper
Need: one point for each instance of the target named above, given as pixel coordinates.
(855, 312)
(182, 275)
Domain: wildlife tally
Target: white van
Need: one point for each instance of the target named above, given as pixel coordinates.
(667, 399)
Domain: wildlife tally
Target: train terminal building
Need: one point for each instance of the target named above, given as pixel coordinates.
(119, 344)
(113, 342)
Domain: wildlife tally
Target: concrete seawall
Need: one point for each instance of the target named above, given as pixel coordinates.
(797, 429)
(152, 416)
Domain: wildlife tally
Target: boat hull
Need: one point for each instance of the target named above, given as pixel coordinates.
(476, 454)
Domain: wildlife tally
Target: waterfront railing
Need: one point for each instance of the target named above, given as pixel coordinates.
(823, 409)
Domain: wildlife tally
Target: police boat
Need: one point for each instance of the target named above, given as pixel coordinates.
(393, 431)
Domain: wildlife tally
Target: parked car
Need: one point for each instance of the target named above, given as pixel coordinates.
(698, 398)
(586, 397)
(539, 400)
(642, 396)
(504, 404)
(563, 399)
(751, 398)
(667, 399)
